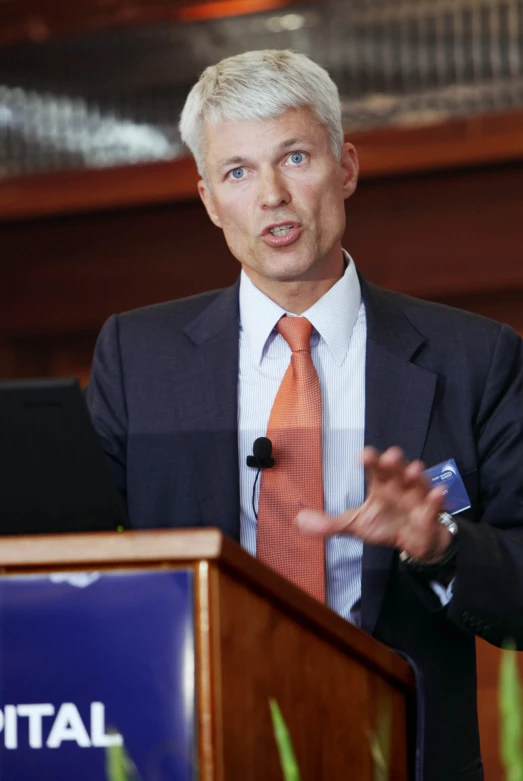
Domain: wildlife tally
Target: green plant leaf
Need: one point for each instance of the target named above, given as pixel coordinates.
(380, 765)
(119, 765)
(291, 771)
(115, 769)
(511, 711)
(379, 741)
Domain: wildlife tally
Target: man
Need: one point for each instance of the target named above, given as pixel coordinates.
(304, 350)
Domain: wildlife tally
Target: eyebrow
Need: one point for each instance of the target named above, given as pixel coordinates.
(289, 142)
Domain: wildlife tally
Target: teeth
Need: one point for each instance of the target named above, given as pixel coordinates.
(281, 230)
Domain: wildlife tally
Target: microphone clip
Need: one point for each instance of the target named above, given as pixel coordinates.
(260, 463)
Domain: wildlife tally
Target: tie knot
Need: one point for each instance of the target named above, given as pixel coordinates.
(297, 332)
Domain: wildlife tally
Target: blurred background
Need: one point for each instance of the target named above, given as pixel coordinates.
(98, 206)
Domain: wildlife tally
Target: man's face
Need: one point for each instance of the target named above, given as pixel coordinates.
(277, 191)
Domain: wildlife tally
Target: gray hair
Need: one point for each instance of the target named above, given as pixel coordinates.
(259, 85)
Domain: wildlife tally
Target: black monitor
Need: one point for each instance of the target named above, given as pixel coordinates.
(53, 474)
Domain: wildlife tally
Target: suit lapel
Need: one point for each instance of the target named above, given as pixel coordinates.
(398, 403)
(208, 410)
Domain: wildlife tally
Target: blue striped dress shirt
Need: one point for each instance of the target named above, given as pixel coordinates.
(338, 351)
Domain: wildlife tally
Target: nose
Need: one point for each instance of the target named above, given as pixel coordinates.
(273, 191)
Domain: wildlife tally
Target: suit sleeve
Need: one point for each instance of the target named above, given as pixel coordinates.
(488, 588)
(106, 400)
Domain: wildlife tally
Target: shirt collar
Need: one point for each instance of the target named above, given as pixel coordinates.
(333, 316)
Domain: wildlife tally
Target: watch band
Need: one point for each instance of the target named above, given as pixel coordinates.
(446, 565)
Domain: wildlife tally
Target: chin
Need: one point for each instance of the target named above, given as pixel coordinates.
(286, 267)
(286, 274)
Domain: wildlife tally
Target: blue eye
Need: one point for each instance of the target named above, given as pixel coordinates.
(297, 158)
(237, 173)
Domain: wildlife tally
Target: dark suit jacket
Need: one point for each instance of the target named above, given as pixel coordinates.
(440, 383)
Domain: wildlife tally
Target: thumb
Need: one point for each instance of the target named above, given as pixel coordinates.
(317, 524)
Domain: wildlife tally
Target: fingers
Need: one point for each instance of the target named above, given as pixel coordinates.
(317, 524)
(395, 482)
(391, 465)
(413, 473)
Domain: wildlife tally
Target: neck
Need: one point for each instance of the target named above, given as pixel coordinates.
(295, 296)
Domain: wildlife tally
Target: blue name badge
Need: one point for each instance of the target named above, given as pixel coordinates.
(446, 474)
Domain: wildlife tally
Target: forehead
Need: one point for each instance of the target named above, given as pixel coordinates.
(256, 138)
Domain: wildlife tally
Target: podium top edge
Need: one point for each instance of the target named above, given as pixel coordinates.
(90, 549)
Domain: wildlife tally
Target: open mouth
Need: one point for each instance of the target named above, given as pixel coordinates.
(282, 235)
(281, 230)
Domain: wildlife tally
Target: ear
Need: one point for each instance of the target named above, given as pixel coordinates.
(350, 169)
(208, 202)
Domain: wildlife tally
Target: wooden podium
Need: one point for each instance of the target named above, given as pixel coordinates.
(257, 637)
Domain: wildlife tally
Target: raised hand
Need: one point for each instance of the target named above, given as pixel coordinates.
(400, 509)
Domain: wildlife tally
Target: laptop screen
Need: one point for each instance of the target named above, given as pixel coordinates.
(53, 475)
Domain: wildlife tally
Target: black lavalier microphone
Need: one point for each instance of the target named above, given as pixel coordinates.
(260, 459)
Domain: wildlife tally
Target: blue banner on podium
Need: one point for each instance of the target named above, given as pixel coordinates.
(97, 677)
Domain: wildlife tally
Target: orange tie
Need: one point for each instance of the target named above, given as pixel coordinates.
(295, 482)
